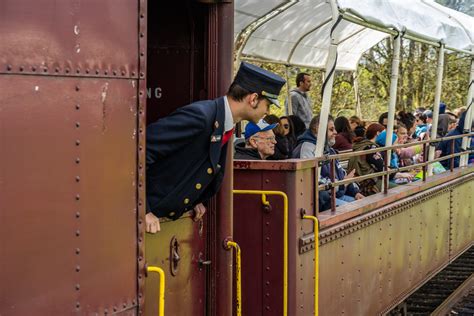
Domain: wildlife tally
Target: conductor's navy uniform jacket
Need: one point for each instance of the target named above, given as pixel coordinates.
(185, 158)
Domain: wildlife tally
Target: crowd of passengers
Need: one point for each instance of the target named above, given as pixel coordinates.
(295, 136)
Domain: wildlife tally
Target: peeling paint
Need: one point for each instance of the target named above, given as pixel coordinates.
(103, 98)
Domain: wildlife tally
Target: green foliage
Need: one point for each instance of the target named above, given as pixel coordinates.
(416, 83)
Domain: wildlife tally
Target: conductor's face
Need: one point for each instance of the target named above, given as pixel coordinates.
(258, 108)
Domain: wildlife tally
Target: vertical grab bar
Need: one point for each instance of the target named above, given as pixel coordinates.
(285, 235)
(238, 277)
(161, 294)
(316, 260)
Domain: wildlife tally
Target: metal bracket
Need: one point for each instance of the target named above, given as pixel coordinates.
(174, 256)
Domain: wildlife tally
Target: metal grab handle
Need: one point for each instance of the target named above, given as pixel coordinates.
(161, 294)
(238, 276)
(316, 260)
(285, 235)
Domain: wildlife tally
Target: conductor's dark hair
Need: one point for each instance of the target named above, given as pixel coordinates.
(237, 93)
(300, 78)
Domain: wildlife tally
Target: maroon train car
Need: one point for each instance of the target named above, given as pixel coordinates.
(74, 90)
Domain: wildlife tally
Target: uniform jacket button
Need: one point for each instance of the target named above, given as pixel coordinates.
(198, 186)
(186, 201)
(209, 170)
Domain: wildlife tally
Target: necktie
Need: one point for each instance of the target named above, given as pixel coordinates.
(227, 136)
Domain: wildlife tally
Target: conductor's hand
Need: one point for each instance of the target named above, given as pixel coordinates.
(152, 223)
(199, 211)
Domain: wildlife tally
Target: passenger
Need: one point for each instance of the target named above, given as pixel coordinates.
(259, 142)
(459, 111)
(409, 155)
(355, 121)
(289, 131)
(383, 120)
(408, 120)
(298, 125)
(306, 149)
(344, 134)
(446, 123)
(429, 120)
(399, 177)
(282, 147)
(370, 163)
(445, 146)
(186, 150)
(301, 104)
(421, 125)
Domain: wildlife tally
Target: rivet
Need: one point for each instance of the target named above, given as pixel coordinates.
(142, 16)
(67, 70)
(45, 70)
(78, 71)
(78, 197)
(78, 251)
(267, 283)
(78, 305)
(21, 68)
(133, 73)
(9, 67)
(115, 308)
(142, 54)
(77, 108)
(106, 311)
(78, 88)
(124, 305)
(142, 35)
(78, 178)
(87, 71)
(78, 287)
(105, 72)
(78, 142)
(268, 268)
(97, 71)
(33, 68)
(78, 233)
(78, 268)
(78, 214)
(78, 160)
(140, 222)
(140, 239)
(115, 72)
(142, 74)
(56, 70)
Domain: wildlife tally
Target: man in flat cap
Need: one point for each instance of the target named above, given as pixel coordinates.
(186, 151)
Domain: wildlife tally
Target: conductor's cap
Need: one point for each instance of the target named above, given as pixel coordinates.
(261, 81)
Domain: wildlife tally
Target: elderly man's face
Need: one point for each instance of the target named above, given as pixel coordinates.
(264, 142)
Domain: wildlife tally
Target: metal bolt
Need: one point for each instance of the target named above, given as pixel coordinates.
(78, 268)
(78, 233)
(78, 160)
(78, 214)
(78, 142)
(78, 88)
(77, 108)
(78, 305)
(78, 251)
(78, 197)
(78, 178)
(9, 67)
(78, 287)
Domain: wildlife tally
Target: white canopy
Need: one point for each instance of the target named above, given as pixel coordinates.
(298, 32)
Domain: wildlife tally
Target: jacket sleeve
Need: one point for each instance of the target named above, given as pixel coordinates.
(295, 103)
(172, 133)
(307, 150)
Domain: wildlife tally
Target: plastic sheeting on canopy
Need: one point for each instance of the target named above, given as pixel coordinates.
(299, 35)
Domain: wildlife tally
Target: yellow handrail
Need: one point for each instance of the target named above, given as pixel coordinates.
(238, 278)
(161, 295)
(316, 262)
(285, 235)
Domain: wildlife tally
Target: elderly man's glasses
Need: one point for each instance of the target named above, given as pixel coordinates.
(268, 139)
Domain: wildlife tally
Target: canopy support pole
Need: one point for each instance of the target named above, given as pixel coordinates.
(331, 62)
(358, 110)
(289, 106)
(437, 100)
(397, 40)
(469, 115)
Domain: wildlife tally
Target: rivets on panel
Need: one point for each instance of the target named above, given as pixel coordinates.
(78, 268)
(78, 178)
(78, 233)
(78, 142)
(87, 71)
(97, 71)
(67, 70)
(78, 305)
(33, 68)
(78, 197)
(56, 70)
(78, 160)
(21, 68)
(78, 251)
(9, 67)
(78, 214)
(78, 88)
(78, 287)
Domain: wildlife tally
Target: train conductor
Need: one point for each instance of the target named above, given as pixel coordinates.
(186, 151)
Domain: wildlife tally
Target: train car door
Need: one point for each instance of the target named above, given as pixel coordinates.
(189, 45)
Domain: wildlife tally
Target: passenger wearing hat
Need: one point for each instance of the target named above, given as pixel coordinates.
(186, 151)
(259, 142)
